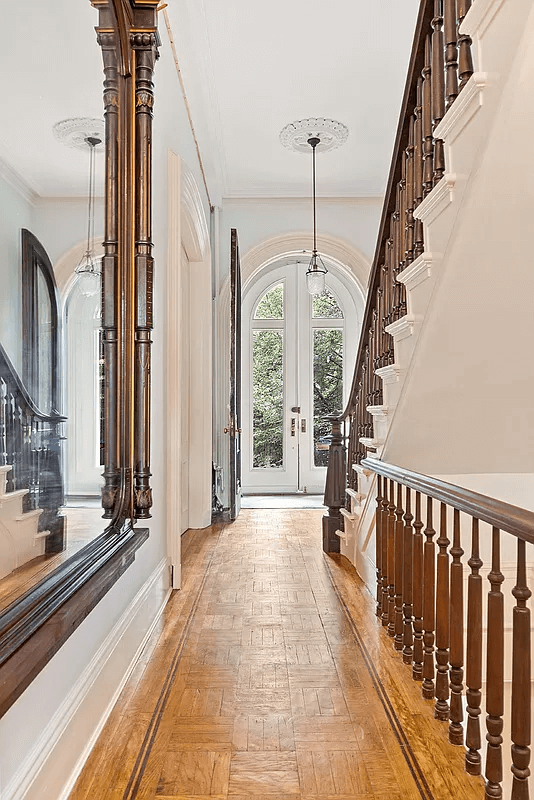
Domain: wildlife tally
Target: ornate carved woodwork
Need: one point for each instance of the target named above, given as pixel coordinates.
(34, 627)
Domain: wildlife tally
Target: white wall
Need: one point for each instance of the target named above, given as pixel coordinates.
(353, 220)
(467, 401)
(16, 212)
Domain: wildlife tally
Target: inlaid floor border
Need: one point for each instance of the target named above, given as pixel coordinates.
(130, 793)
(394, 721)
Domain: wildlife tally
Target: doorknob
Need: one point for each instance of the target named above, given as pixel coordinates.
(296, 409)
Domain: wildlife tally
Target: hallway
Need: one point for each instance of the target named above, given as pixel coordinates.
(266, 680)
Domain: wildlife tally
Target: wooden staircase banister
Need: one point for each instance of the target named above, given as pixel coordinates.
(514, 520)
(439, 67)
(10, 375)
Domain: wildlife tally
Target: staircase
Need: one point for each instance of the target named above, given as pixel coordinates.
(20, 538)
(444, 381)
(31, 485)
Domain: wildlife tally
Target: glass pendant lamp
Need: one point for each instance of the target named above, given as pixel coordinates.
(316, 272)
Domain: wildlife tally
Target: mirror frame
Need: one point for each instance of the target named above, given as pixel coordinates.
(38, 623)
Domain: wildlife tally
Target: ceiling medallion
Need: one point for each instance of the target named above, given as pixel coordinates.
(331, 134)
(75, 132)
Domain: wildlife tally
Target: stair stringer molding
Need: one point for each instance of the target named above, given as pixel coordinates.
(496, 27)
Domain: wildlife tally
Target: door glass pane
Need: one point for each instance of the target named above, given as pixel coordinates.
(268, 399)
(44, 329)
(271, 305)
(326, 305)
(327, 387)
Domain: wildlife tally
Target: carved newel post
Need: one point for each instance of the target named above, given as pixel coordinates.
(334, 493)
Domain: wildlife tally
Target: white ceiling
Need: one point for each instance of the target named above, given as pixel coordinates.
(249, 68)
(51, 70)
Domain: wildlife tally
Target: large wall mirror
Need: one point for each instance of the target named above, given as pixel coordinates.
(76, 317)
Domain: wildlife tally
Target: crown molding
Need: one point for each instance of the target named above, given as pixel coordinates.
(17, 182)
(344, 199)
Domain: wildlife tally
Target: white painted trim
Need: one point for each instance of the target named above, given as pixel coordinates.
(173, 388)
(479, 17)
(356, 200)
(438, 200)
(389, 374)
(418, 271)
(26, 783)
(379, 413)
(464, 108)
(343, 255)
(187, 227)
(402, 328)
(17, 182)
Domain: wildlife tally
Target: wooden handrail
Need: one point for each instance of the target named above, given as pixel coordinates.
(421, 604)
(409, 100)
(440, 65)
(512, 519)
(10, 375)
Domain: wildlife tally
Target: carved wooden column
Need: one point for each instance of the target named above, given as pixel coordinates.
(110, 305)
(145, 47)
(129, 39)
(334, 494)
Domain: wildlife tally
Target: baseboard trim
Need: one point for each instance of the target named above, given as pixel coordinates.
(24, 784)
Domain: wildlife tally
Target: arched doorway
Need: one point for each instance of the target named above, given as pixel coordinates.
(298, 359)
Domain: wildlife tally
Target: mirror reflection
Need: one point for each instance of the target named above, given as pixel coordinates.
(51, 230)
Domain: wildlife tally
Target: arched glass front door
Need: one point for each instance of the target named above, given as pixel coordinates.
(295, 372)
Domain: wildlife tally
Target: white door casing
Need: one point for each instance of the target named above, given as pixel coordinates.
(188, 337)
(298, 472)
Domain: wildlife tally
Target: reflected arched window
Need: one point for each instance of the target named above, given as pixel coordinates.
(39, 324)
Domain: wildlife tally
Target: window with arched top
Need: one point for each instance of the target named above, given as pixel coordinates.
(40, 314)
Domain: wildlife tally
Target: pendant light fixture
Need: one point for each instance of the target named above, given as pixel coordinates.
(85, 134)
(316, 272)
(321, 134)
(88, 269)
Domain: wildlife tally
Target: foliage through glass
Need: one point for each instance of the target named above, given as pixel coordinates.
(268, 398)
(327, 387)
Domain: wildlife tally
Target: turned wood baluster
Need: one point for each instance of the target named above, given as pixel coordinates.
(474, 656)
(521, 691)
(407, 637)
(495, 673)
(378, 542)
(465, 56)
(417, 668)
(451, 52)
(395, 260)
(389, 296)
(456, 731)
(418, 168)
(401, 289)
(429, 604)
(438, 87)
(441, 708)
(385, 553)
(391, 560)
(410, 196)
(399, 569)
(428, 139)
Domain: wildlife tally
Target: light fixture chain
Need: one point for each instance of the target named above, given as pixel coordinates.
(314, 206)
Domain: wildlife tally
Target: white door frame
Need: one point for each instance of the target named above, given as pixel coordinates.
(187, 228)
(298, 326)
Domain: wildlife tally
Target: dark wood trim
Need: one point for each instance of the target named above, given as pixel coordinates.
(497, 513)
(409, 102)
(35, 626)
(35, 257)
(38, 629)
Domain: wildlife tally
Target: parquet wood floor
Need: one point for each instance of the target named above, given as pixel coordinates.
(270, 678)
